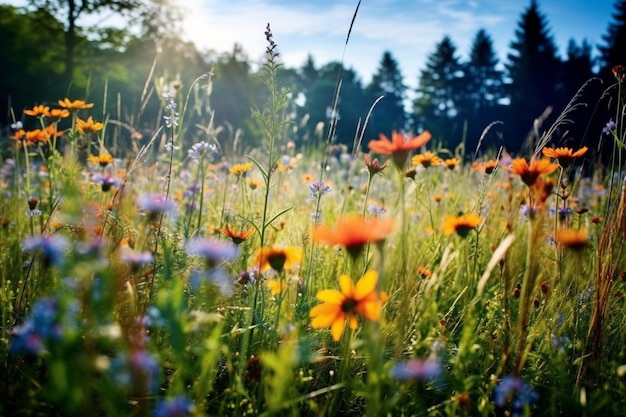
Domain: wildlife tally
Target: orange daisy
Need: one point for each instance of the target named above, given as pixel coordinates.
(88, 125)
(564, 156)
(426, 159)
(572, 238)
(530, 172)
(353, 233)
(278, 259)
(58, 114)
(399, 146)
(103, 159)
(347, 303)
(66, 103)
(461, 225)
(237, 236)
(451, 163)
(486, 167)
(38, 111)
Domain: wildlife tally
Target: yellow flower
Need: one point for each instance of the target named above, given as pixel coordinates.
(278, 259)
(347, 303)
(103, 159)
(451, 163)
(426, 159)
(486, 167)
(276, 286)
(66, 103)
(572, 238)
(88, 125)
(240, 170)
(460, 225)
(38, 111)
(253, 183)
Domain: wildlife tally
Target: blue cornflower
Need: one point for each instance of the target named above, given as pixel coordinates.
(318, 189)
(179, 406)
(609, 127)
(41, 326)
(514, 393)
(417, 369)
(52, 248)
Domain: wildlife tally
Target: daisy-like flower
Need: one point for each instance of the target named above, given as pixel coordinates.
(486, 167)
(564, 156)
(213, 251)
(373, 166)
(155, 204)
(399, 146)
(84, 126)
(38, 111)
(253, 183)
(200, 149)
(66, 103)
(58, 114)
(530, 172)
(278, 259)
(237, 236)
(426, 159)
(103, 159)
(572, 238)
(240, 170)
(451, 163)
(347, 303)
(107, 181)
(276, 286)
(353, 233)
(460, 225)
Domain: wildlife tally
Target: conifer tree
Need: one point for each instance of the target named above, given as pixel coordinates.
(612, 52)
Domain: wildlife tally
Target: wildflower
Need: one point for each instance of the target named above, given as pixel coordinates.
(276, 286)
(146, 369)
(375, 210)
(451, 163)
(487, 167)
(38, 111)
(424, 272)
(353, 233)
(202, 149)
(426, 159)
(155, 204)
(399, 146)
(66, 103)
(103, 159)
(107, 181)
(212, 250)
(278, 258)
(240, 170)
(572, 238)
(58, 114)
(179, 406)
(41, 326)
(19, 134)
(515, 393)
(564, 156)
(417, 369)
(52, 248)
(84, 126)
(609, 127)
(32, 210)
(619, 72)
(410, 173)
(460, 225)
(530, 173)
(253, 183)
(237, 236)
(373, 166)
(347, 303)
(134, 257)
(318, 189)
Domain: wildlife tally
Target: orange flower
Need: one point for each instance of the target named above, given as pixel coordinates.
(564, 156)
(38, 111)
(530, 173)
(237, 236)
(88, 125)
(278, 259)
(460, 225)
(347, 303)
(19, 134)
(66, 103)
(103, 159)
(451, 163)
(399, 146)
(426, 159)
(59, 114)
(572, 238)
(374, 166)
(354, 233)
(486, 167)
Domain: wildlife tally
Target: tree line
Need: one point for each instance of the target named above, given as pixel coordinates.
(461, 102)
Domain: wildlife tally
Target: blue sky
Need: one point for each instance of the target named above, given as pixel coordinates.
(409, 29)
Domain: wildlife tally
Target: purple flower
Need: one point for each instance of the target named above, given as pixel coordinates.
(146, 369)
(106, 181)
(52, 248)
(212, 250)
(134, 257)
(318, 189)
(417, 369)
(202, 149)
(514, 392)
(179, 406)
(609, 127)
(155, 204)
(42, 326)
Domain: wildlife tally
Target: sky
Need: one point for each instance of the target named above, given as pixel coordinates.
(409, 29)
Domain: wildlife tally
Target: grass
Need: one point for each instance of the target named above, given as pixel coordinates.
(122, 293)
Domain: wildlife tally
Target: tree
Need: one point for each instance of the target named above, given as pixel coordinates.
(612, 52)
(436, 106)
(389, 113)
(70, 11)
(534, 70)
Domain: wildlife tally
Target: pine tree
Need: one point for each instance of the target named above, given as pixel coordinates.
(534, 70)
(613, 51)
(438, 95)
(389, 114)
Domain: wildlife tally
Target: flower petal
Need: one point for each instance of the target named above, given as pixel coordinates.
(366, 285)
(346, 285)
(330, 296)
(337, 328)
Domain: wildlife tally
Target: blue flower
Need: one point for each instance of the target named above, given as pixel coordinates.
(52, 248)
(179, 406)
(146, 368)
(417, 369)
(41, 326)
(212, 250)
(318, 189)
(609, 127)
(155, 204)
(201, 149)
(514, 393)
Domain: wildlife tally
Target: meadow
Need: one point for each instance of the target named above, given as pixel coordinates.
(182, 277)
